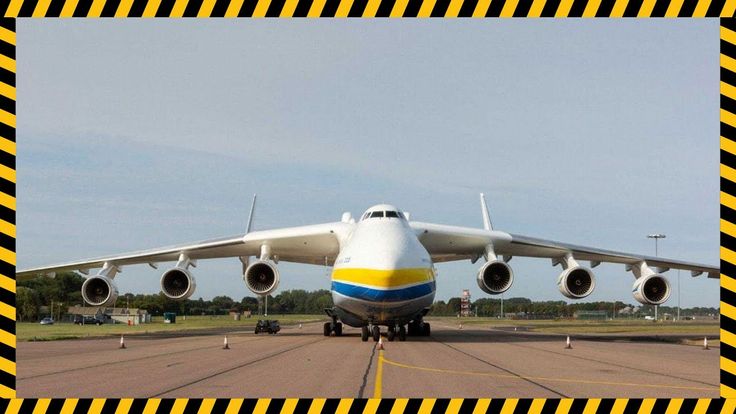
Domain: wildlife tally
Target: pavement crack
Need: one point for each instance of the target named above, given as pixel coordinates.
(365, 374)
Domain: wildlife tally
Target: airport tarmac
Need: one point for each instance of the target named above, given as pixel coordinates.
(299, 362)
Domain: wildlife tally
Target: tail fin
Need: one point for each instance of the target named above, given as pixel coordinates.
(487, 224)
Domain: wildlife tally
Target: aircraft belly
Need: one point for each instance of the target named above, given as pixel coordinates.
(360, 311)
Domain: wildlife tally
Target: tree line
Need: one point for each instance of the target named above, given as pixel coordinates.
(34, 297)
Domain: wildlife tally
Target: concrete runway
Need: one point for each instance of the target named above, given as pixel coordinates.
(473, 362)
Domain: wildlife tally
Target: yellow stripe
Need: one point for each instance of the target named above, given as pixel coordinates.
(399, 406)
(152, 406)
(674, 9)
(207, 405)
(509, 405)
(647, 404)
(728, 227)
(7, 36)
(96, 11)
(97, 405)
(454, 8)
(7, 118)
(508, 8)
(41, 8)
(702, 406)
(646, 8)
(316, 8)
(206, 9)
(701, 8)
(619, 405)
(180, 404)
(728, 255)
(674, 406)
(728, 35)
(234, 8)
(728, 173)
(344, 8)
(592, 406)
(7, 366)
(537, 406)
(379, 375)
(563, 10)
(481, 8)
(728, 365)
(316, 406)
(234, 406)
(7, 311)
(151, 8)
(6, 144)
(7, 228)
(289, 405)
(729, 406)
(729, 9)
(592, 8)
(261, 8)
(454, 406)
(728, 283)
(371, 8)
(727, 392)
(538, 6)
(726, 337)
(69, 7)
(69, 405)
(344, 406)
(384, 278)
(399, 8)
(371, 406)
(619, 8)
(482, 405)
(7, 173)
(564, 406)
(289, 8)
(426, 9)
(7, 201)
(262, 405)
(179, 7)
(7, 283)
(42, 405)
(124, 8)
(7, 255)
(426, 406)
(14, 8)
(728, 145)
(7, 63)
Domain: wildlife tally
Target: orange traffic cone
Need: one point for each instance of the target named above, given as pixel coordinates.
(225, 345)
(380, 343)
(568, 346)
(122, 341)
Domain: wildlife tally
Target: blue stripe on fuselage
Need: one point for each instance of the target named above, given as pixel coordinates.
(377, 295)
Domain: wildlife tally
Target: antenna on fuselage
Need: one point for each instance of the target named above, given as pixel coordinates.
(250, 216)
(487, 224)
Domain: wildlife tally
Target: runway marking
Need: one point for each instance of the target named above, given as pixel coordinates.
(379, 375)
(381, 360)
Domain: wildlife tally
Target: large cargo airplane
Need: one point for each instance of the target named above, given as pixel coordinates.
(383, 266)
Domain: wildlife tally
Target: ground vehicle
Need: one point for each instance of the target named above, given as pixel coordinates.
(87, 320)
(47, 321)
(265, 325)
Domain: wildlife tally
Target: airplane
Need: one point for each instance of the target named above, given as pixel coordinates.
(383, 266)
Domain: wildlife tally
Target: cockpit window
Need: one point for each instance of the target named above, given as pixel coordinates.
(377, 214)
(392, 214)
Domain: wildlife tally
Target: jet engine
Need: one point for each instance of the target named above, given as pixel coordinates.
(495, 277)
(178, 283)
(261, 277)
(576, 282)
(99, 291)
(652, 289)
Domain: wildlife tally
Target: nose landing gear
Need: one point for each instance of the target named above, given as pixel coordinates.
(333, 326)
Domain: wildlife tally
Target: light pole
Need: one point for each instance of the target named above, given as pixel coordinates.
(656, 238)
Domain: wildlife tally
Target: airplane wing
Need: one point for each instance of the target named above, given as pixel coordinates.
(313, 244)
(449, 243)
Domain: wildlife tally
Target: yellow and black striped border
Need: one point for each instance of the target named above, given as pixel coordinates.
(12, 9)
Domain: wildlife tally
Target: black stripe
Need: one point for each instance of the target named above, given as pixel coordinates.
(302, 406)
(192, 8)
(358, 406)
(633, 406)
(137, 9)
(688, 404)
(522, 8)
(714, 406)
(728, 49)
(110, 406)
(606, 405)
(660, 8)
(715, 8)
(7, 77)
(729, 23)
(82, 9)
(7, 324)
(496, 405)
(728, 131)
(55, 8)
(7, 269)
(728, 269)
(193, 406)
(385, 8)
(467, 8)
(7, 104)
(276, 404)
(330, 8)
(82, 406)
(330, 405)
(605, 9)
(358, 8)
(632, 8)
(26, 9)
(7, 242)
(727, 351)
(165, 405)
(249, 405)
(523, 405)
(7, 215)
(730, 188)
(550, 8)
(412, 9)
(688, 7)
(27, 406)
(728, 104)
(728, 324)
(578, 405)
(385, 406)
(274, 9)
(7, 297)
(495, 8)
(728, 296)
(550, 406)
(7, 352)
(4, 402)
(412, 406)
(246, 10)
(302, 8)
(55, 405)
(220, 8)
(728, 159)
(165, 8)
(578, 7)
(220, 405)
(660, 405)
(8, 380)
(8, 23)
(138, 405)
(110, 7)
(468, 406)
(440, 8)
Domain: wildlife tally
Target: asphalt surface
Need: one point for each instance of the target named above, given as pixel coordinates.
(300, 362)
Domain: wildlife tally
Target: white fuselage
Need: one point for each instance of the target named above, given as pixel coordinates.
(382, 275)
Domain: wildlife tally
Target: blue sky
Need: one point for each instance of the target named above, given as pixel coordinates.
(137, 134)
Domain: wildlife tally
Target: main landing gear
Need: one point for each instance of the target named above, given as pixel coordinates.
(375, 332)
(419, 328)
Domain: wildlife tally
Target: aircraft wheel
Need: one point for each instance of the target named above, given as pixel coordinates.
(327, 329)
(426, 331)
(376, 333)
(338, 329)
(364, 333)
(391, 334)
(413, 329)
(402, 333)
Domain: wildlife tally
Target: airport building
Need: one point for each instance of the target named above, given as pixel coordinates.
(130, 316)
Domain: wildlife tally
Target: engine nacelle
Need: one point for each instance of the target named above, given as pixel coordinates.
(261, 277)
(576, 282)
(99, 291)
(653, 289)
(495, 277)
(178, 283)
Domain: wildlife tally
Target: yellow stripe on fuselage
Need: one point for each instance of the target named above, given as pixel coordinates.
(383, 278)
